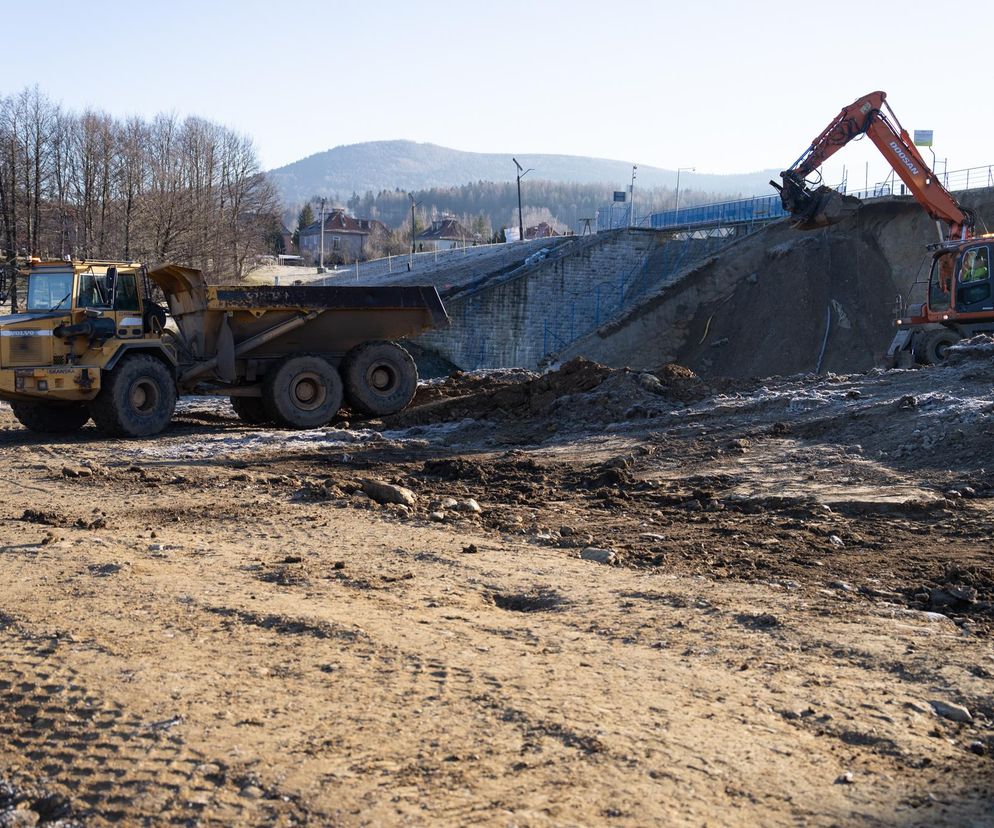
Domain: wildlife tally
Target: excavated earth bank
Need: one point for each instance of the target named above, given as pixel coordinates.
(762, 306)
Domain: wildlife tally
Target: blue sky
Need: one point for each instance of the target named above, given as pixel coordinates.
(720, 86)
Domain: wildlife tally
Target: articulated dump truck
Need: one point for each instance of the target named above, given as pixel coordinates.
(92, 342)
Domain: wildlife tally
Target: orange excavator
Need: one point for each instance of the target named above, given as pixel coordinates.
(959, 302)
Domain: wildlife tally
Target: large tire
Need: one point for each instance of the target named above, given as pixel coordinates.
(934, 345)
(250, 410)
(51, 418)
(302, 392)
(380, 378)
(137, 399)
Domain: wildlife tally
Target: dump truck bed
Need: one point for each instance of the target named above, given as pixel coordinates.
(336, 297)
(349, 315)
(339, 317)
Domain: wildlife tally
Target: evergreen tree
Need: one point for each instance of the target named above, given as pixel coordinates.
(304, 218)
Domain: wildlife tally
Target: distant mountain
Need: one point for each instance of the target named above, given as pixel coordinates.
(386, 165)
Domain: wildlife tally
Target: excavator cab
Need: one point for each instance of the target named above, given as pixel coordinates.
(960, 282)
(973, 281)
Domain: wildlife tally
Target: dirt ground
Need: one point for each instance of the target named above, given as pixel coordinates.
(604, 597)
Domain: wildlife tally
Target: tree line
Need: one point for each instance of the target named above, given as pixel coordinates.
(485, 208)
(488, 206)
(87, 185)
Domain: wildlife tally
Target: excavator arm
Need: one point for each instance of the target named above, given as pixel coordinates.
(873, 117)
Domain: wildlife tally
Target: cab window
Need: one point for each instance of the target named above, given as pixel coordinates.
(126, 293)
(941, 283)
(91, 292)
(49, 291)
(973, 281)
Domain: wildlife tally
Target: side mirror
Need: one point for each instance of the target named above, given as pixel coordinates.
(93, 313)
(110, 281)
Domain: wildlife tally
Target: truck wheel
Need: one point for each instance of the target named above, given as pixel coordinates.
(137, 399)
(250, 410)
(380, 378)
(302, 392)
(50, 418)
(934, 347)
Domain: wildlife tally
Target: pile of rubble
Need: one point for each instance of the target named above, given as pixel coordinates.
(579, 393)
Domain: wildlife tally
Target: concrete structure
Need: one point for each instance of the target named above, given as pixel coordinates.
(521, 304)
(518, 317)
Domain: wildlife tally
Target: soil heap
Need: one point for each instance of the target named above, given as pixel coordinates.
(581, 391)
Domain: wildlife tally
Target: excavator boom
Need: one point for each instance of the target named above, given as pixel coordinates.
(869, 115)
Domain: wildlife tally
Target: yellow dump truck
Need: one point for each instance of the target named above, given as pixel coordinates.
(93, 342)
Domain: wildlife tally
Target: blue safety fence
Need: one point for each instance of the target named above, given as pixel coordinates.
(765, 208)
(725, 213)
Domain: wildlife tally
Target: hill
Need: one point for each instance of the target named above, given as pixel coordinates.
(388, 165)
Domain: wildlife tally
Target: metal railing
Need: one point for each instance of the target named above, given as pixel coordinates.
(767, 207)
(972, 178)
(724, 213)
(389, 266)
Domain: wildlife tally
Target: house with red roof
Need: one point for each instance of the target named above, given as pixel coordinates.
(346, 239)
(444, 234)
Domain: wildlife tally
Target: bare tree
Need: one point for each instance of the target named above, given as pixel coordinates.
(248, 201)
(89, 185)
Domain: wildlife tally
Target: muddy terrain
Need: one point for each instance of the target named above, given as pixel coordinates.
(595, 596)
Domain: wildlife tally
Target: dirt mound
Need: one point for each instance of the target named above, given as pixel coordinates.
(977, 347)
(477, 396)
(580, 392)
(463, 383)
(681, 384)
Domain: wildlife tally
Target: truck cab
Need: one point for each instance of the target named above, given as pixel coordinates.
(79, 320)
(76, 316)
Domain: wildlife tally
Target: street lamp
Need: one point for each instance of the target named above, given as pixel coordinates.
(321, 261)
(631, 209)
(413, 205)
(521, 223)
(680, 170)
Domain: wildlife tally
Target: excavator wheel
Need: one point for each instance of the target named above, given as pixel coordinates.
(250, 410)
(303, 391)
(380, 378)
(935, 345)
(48, 418)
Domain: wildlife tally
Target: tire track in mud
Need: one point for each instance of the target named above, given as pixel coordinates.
(111, 765)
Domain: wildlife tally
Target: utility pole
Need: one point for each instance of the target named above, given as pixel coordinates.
(631, 209)
(413, 205)
(521, 223)
(321, 261)
(680, 170)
